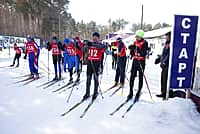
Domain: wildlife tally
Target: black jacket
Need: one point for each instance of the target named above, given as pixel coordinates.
(164, 60)
(143, 51)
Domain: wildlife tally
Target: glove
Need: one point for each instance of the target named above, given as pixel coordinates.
(157, 60)
(163, 65)
(25, 56)
(48, 45)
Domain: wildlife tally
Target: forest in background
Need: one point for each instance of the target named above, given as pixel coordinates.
(46, 18)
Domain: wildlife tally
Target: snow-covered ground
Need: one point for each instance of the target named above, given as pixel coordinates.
(30, 110)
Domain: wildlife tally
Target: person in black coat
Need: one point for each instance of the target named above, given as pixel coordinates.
(164, 64)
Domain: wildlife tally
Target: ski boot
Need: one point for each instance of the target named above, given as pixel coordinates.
(122, 85)
(137, 96)
(78, 78)
(94, 96)
(36, 76)
(55, 78)
(60, 77)
(70, 80)
(130, 96)
(86, 96)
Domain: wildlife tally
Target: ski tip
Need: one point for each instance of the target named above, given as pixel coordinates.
(81, 117)
(111, 114)
(62, 115)
(123, 116)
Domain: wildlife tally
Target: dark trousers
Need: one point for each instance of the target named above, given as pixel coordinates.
(92, 69)
(114, 61)
(137, 66)
(17, 56)
(120, 72)
(57, 63)
(164, 76)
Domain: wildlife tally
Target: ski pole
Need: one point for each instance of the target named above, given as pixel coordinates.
(103, 68)
(146, 81)
(70, 94)
(127, 64)
(48, 65)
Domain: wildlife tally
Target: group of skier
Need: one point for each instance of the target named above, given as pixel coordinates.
(73, 53)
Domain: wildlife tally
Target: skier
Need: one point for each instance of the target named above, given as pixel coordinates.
(56, 47)
(65, 53)
(32, 49)
(38, 52)
(80, 53)
(139, 51)
(95, 51)
(114, 54)
(121, 62)
(72, 48)
(17, 55)
(164, 64)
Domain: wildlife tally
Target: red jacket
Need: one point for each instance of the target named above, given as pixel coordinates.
(95, 54)
(122, 50)
(80, 52)
(137, 55)
(72, 51)
(17, 50)
(31, 48)
(55, 49)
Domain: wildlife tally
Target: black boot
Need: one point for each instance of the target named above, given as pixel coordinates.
(130, 96)
(94, 96)
(70, 79)
(162, 95)
(137, 96)
(86, 96)
(78, 77)
(60, 77)
(55, 78)
(171, 94)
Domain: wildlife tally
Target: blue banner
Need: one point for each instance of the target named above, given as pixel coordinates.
(183, 51)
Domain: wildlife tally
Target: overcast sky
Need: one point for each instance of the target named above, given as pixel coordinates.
(130, 10)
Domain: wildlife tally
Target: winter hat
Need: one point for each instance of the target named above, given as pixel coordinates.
(140, 33)
(29, 37)
(54, 38)
(168, 34)
(77, 38)
(119, 38)
(96, 34)
(67, 41)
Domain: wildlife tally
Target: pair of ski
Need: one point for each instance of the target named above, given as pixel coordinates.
(28, 80)
(78, 104)
(123, 104)
(90, 104)
(48, 84)
(115, 91)
(70, 84)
